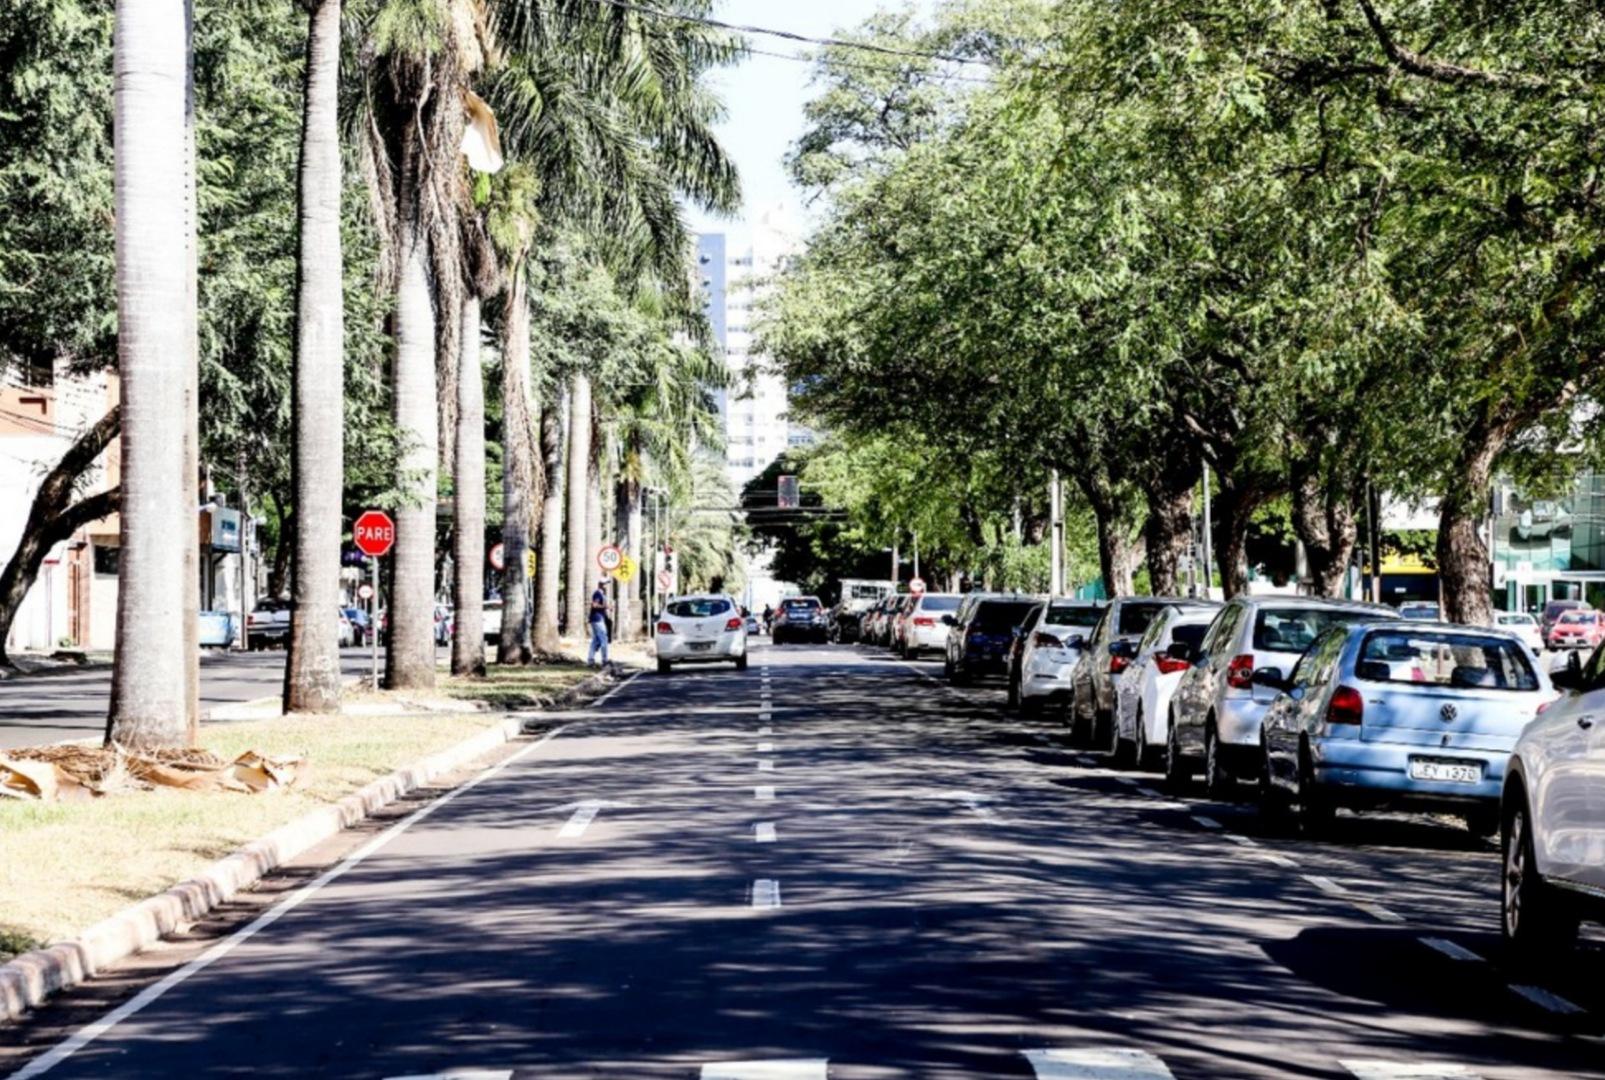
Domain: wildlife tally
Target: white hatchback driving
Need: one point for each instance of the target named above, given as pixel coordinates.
(701, 630)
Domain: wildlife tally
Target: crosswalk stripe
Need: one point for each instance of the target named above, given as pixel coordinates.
(793, 1069)
(1096, 1064)
(1407, 1070)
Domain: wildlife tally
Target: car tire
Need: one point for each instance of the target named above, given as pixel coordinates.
(1483, 822)
(1535, 921)
(663, 667)
(1079, 735)
(741, 662)
(1030, 706)
(1316, 810)
(958, 676)
(1148, 756)
(1178, 774)
(1274, 806)
(1218, 783)
(1014, 693)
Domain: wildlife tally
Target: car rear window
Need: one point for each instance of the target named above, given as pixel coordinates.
(1470, 661)
(1001, 614)
(1293, 629)
(1515, 620)
(1584, 617)
(800, 605)
(1191, 634)
(699, 609)
(1073, 615)
(940, 603)
(1555, 607)
(1134, 618)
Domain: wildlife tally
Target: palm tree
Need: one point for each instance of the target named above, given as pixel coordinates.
(481, 279)
(579, 474)
(312, 675)
(154, 202)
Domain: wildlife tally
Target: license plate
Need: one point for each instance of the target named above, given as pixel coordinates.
(1449, 772)
(701, 645)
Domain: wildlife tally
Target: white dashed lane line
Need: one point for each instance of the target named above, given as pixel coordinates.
(1097, 1064)
(764, 832)
(1546, 1000)
(766, 747)
(1327, 885)
(766, 731)
(1127, 780)
(790, 1069)
(1407, 1070)
(1207, 822)
(1380, 913)
(764, 794)
(765, 765)
(580, 821)
(1451, 950)
(765, 894)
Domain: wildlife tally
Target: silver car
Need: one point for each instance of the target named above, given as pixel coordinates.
(1399, 714)
(1109, 649)
(1215, 714)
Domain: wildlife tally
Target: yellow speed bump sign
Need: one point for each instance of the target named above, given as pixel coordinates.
(626, 570)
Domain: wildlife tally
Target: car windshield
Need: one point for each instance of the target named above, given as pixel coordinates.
(1073, 615)
(703, 608)
(1291, 630)
(940, 603)
(1134, 618)
(994, 615)
(1468, 661)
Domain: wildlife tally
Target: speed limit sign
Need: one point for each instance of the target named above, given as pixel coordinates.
(364, 591)
(609, 558)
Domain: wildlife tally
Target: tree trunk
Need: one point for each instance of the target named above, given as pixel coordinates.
(1115, 555)
(468, 563)
(518, 474)
(634, 542)
(1326, 524)
(1234, 505)
(1462, 555)
(579, 466)
(593, 510)
(1169, 528)
(192, 400)
(312, 676)
(411, 652)
(548, 567)
(149, 682)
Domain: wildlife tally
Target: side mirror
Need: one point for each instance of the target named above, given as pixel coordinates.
(1076, 641)
(947, 620)
(1570, 675)
(1180, 650)
(1270, 678)
(1126, 649)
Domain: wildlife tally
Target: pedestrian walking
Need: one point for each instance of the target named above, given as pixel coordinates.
(599, 633)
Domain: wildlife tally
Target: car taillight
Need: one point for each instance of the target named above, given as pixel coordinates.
(920, 620)
(665, 628)
(1046, 641)
(1117, 664)
(1347, 707)
(1240, 672)
(1169, 665)
(733, 624)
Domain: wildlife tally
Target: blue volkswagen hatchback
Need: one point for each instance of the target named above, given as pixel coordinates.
(1411, 715)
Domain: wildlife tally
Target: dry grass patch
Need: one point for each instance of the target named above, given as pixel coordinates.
(516, 686)
(65, 866)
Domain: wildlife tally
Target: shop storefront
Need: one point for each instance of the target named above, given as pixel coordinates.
(1551, 548)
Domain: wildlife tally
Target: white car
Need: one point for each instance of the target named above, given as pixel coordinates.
(1523, 626)
(1553, 816)
(1142, 694)
(925, 630)
(1053, 643)
(492, 620)
(701, 630)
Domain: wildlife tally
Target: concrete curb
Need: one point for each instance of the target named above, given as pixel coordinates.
(28, 980)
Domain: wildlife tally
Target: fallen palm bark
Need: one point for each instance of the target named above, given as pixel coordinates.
(58, 773)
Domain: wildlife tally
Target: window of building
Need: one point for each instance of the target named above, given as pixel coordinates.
(105, 560)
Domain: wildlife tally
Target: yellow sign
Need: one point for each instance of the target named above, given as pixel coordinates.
(529, 563)
(626, 571)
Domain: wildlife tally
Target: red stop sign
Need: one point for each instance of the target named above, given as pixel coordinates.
(374, 533)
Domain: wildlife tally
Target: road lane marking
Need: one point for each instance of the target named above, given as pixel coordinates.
(151, 994)
(1451, 950)
(1129, 781)
(764, 794)
(765, 765)
(1149, 792)
(1207, 822)
(765, 894)
(766, 748)
(1096, 1065)
(766, 731)
(461, 1074)
(1377, 911)
(1278, 859)
(1407, 1070)
(1241, 840)
(794, 1069)
(1327, 885)
(580, 821)
(1544, 999)
(764, 832)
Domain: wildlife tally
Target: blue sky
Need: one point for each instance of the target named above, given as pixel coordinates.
(765, 95)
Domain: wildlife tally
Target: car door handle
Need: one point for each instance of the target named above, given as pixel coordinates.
(1585, 722)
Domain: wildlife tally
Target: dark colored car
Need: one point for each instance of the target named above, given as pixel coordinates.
(980, 636)
(800, 618)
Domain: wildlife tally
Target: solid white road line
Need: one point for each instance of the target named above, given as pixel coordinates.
(1544, 999)
(795, 1069)
(765, 765)
(765, 894)
(1207, 822)
(1096, 1065)
(154, 992)
(580, 821)
(764, 794)
(1451, 950)
(764, 832)
(1407, 1070)
(766, 748)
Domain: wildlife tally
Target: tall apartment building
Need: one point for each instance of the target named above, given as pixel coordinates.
(735, 269)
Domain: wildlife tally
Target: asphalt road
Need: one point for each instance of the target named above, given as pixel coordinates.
(55, 707)
(832, 865)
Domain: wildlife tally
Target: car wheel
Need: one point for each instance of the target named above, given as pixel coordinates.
(1124, 751)
(959, 676)
(1030, 706)
(1079, 735)
(1178, 774)
(1274, 806)
(1316, 810)
(1217, 781)
(1533, 917)
(1147, 759)
(663, 667)
(741, 662)
(1014, 692)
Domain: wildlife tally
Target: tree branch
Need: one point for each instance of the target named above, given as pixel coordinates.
(1438, 70)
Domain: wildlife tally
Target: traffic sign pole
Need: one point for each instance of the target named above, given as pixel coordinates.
(373, 623)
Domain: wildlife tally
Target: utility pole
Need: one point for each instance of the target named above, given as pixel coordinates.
(895, 564)
(1373, 512)
(1056, 530)
(916, 555)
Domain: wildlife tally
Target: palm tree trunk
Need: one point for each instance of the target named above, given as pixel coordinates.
(192, 403)
(149, 692)
(411, 653)
(593, 510)
(312, 674)
(518, 474)
(468, 585)
(548, 570)
(629, 512)
(579, 466)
